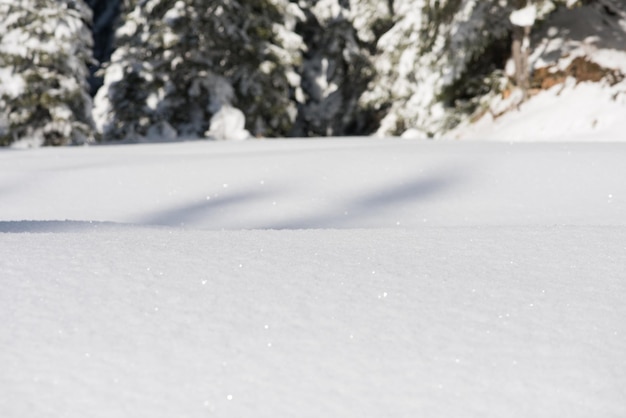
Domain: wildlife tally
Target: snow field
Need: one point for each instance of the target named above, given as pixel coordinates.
(292, 184)
(507, 301)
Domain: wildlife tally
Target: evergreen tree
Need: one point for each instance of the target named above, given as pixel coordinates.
(336, 71)
(177, 63)
(45, 47)
(306, 68)
(441, 58)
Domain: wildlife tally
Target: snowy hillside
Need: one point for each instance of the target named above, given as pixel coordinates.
(335, 278)
(579, 84)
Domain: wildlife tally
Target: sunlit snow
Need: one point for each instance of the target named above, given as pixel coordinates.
(228, 124)
(327, 278)
(524, 17)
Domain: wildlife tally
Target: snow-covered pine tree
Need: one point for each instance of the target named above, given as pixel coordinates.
(442, 59)
(45, 47)
(336, 71)
(177, 62)
(429, 48)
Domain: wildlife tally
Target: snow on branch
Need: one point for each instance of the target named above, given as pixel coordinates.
(524, 17)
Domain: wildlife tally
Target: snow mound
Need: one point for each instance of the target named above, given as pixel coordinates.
(228, 124)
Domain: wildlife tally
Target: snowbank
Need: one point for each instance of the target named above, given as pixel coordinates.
(567, 112)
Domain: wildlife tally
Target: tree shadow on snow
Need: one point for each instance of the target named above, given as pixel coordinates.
(213, 210)
(233, 210)
(67, 226)
(243, 209)
(363, 210)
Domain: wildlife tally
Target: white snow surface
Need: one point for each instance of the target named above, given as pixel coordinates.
(566, 112)
(302, 278)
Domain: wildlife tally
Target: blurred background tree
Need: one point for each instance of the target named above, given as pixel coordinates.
(45, 49)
